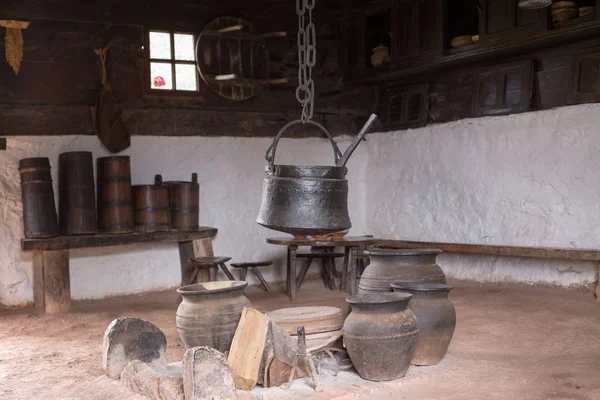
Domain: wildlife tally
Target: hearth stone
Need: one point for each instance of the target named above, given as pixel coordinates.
(206, 375)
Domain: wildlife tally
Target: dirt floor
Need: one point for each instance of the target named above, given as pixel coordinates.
(511, 342)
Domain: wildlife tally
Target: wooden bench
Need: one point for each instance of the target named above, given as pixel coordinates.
(507, 251)
(51, 282)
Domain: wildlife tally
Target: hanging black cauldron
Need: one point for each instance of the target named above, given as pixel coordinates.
(307, 200)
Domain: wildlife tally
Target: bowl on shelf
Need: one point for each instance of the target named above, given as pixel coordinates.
(585, 11)
(460, 41)
(564, 14)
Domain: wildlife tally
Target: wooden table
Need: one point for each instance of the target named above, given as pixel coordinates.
(351, 244)
(51, 282)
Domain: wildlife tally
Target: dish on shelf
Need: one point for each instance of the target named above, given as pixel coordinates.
(563, 4)
(460, 41)
(585, 11)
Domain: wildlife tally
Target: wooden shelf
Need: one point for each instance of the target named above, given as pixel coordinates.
(101, 240)
(484, 52)
(509, 251)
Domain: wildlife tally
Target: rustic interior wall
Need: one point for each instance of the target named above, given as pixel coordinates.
(520, 180)
(230, 172)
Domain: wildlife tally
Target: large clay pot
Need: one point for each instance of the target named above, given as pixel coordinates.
(380, 335)
(210, 313)
(403, 266)
(436, 317)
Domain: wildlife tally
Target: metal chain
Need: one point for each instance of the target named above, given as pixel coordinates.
(307, 57)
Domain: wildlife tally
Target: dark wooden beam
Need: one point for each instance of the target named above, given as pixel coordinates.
(77, 242)
(509, 251)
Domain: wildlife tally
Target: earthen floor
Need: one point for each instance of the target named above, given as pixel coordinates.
(511, 342)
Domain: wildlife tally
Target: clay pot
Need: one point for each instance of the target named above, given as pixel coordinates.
(380, 335)
(404, 266)
(210, 313)
(436, 318)
(380, 56)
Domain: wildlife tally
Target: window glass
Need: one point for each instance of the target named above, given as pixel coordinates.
(185, 76)
(160, 76)
(160, 45)
(184, 47)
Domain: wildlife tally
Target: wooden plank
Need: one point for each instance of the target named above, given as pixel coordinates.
(246, 352)
(38, 280)
(186, 252)
(203, 248)
(511, 251)
(101, 240)
(57, 283)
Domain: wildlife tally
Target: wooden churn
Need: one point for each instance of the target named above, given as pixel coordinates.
(76, 193)
(115, 211)
(151, 211)
(39, 210)
(184, 203)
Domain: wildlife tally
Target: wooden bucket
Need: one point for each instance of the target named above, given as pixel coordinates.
(115, 211)
(76, 193)
(184, 204)
(39, 210)
(151, 212)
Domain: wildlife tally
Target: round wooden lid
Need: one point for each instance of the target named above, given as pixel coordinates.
(314, 319)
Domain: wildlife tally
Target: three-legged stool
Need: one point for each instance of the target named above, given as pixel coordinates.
(212, 264)
(243, 266)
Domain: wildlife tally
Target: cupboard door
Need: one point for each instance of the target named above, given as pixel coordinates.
(585, 84)
(353, 55)
(430, 35)
(404, 27)
(499, 16)
(406, 106)
(503, 89)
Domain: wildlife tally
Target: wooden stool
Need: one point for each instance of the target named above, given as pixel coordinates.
(327, 256)
(212, 264)
(254, 266)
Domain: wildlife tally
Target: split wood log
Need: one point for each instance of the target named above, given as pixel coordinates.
(56, 281)
(246, 352)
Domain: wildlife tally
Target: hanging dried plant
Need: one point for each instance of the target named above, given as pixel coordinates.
(13, 42)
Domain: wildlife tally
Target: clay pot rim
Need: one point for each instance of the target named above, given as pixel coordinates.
(378, 251)
(197, 288)
(379, 298)
(421, 287)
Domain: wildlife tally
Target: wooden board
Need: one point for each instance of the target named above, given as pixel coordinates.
(314, 319)
(77, 242)
(513, 251)
(38, 280)
(246, 352)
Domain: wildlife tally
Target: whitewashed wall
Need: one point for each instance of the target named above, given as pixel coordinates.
(230, 172)
(525, 180)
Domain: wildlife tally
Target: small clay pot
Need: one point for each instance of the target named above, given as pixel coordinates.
(210, 312)
(380, 335)
(380, 56)
(390, 265)
(436, 318)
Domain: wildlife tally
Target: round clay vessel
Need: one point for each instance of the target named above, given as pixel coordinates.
(210, 312)
(380, 335)
(436, 317)
(403, 266)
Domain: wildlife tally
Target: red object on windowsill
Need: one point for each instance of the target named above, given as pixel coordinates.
(159, 81)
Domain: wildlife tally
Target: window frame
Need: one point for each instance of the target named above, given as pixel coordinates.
(148, 91)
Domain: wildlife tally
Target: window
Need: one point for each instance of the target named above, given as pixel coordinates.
(172, 61)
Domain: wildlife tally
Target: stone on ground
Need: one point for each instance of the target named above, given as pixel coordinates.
(157, 384)
(206, 375)
(129, 339)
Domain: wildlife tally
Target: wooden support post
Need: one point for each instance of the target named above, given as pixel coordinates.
(57, 283)
(598, 285)
(292, 273)
(186, 252)
(38, 280)
(353, 267)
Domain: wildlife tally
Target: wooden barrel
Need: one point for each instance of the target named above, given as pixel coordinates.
(39, 210)
(151, 212)
(184, 203)
(115, 211)
(76, 193)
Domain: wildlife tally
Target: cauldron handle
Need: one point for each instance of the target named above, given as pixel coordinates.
(273, 147)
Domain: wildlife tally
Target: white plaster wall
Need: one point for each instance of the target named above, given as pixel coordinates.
(525, 180)
(230, 172)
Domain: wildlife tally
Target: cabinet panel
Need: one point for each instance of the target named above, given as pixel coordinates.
(503, 89)
(585, 83)
(499, 16)
(406, 106)
(353, 59)
(404, 26)
(429, 26)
